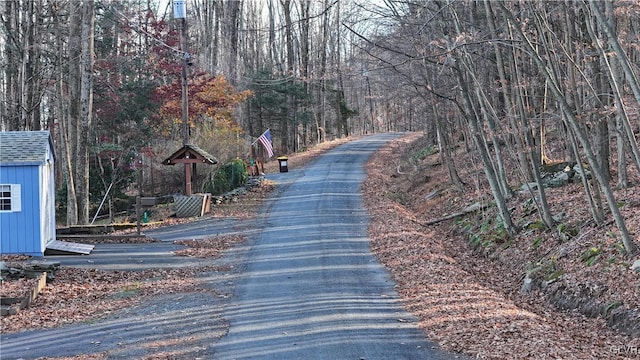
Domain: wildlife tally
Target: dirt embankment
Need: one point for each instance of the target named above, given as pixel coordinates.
(464, 277)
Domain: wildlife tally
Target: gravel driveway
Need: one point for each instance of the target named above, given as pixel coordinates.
(305, 286)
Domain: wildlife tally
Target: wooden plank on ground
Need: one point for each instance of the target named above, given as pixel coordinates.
(57, 246)
(11, 306)
(86, 229)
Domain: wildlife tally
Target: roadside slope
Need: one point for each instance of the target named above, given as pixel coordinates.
(466, 301)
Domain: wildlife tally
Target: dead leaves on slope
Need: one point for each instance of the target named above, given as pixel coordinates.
(465, 302)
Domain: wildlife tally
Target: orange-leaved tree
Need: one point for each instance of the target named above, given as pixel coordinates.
(210, 98)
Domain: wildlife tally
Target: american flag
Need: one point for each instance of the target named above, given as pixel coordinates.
(265, 140)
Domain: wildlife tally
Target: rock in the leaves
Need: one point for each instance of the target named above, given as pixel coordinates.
(527, 284)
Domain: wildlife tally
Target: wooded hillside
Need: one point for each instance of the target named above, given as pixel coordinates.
(517, 83)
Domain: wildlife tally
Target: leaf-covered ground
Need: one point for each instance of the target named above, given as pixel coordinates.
(467, 296)
(80, 294)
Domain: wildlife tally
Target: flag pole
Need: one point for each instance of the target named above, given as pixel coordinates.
(256, 140)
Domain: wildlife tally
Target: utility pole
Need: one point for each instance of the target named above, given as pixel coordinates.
(185, 99)
(180, 14)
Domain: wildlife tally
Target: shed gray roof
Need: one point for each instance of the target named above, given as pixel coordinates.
(25, 147)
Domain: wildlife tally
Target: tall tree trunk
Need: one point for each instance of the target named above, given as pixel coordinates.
(341, 102)
(624, 133)
(288, 125)
(623, 61)
(274, 57)
(86, 110)
(215, 47)
(445, 148)
(12, 70)
(535, 159)
(324, 46)
(232, 21)
(64, 119)
(304, 58)
(495, 140)
(74, 81)
(483, 112)
(505, 86)
(27, 68)
(480, 143)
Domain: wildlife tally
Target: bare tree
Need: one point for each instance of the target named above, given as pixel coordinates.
(86, 110)
(577, 130)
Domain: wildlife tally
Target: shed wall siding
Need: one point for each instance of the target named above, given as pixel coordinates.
(20, 231)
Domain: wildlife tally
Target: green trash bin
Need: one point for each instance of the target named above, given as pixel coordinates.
(282, 161)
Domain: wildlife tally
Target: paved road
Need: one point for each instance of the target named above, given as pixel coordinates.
(308, 287)
(311, 288)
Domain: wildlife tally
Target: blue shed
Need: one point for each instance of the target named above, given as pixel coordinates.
(27, 192)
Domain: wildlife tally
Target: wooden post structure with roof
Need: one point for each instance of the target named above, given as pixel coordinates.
(189, 155)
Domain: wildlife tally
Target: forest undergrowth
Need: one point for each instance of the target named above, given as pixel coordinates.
(464, 277)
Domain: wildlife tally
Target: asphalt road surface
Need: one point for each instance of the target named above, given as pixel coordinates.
(306, 286)
(311, 288)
